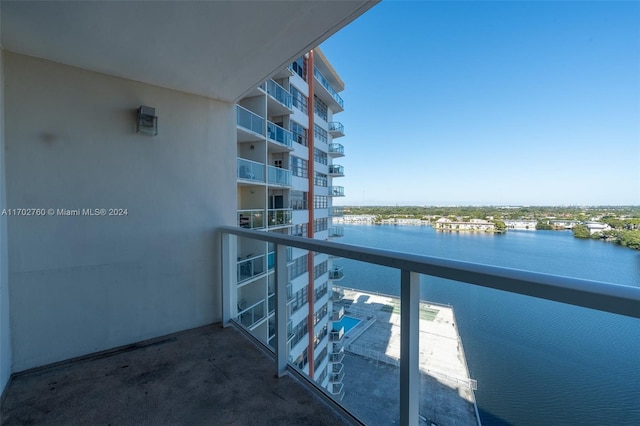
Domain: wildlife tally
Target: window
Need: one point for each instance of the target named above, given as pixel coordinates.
(298, 301)
(299, 230)
(300, 67)
(298, 200)
(318, 338)
(322, 312)
(319, 133)
(321, 224)
(298, 266)
(320, 108)
(299, 100)
(319, 156)
(320, 291)
(320, 201)
(299, 331)
(319, 269)
(299, 167)
(320, 179)
(299, 132)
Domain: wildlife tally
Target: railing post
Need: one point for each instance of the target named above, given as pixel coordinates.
(281, 309)
(229, 278)
(409, 347)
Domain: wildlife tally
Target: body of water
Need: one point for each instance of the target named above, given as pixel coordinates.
(536, 362)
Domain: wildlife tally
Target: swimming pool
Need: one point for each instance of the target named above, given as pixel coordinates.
(347, 322)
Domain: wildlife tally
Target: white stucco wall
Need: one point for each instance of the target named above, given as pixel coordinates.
(5, 333)
(85, 284)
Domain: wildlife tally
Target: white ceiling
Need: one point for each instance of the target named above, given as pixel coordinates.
(218, 49)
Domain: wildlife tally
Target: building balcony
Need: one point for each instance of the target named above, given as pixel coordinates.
(249, 124)
(336, 231)
(337, 314)
(336, 335)
(336, 211)
(336, 294)
(278, 176)
(336, 273)
(336, 129)
(609, 298)
(281, 137)
(208, 371)
(336, 150)
(250, 171)
(251, 219)
(336, 377)
(336, 170)
(327, 93)
(250, 267)
(279, 217)
(337, 353)
(337, 390)
(280, 101)
(253, 314)
(336, 191)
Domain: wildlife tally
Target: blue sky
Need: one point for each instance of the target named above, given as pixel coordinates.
(505, 103)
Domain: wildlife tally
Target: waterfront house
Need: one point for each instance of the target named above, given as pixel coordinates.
(473, 225)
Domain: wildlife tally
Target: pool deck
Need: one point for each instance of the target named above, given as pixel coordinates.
(373, 346)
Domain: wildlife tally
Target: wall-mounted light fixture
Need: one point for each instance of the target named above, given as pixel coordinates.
(147, 121)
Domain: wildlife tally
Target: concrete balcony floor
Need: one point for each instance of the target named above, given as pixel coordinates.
(208, 375)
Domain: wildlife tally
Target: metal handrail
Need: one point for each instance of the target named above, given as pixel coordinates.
(613, 298)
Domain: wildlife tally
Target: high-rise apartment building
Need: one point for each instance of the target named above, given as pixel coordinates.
(287, 183)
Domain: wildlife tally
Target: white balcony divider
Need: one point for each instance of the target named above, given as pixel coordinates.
(617, 299)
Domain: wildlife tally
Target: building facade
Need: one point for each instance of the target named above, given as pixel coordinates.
(287, 183)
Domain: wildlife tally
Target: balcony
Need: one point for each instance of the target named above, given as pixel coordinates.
(249, 124)
(250, 171)
(336, 273)
(336, 129)
(337, 390)
(336, 191)
(336, 211)
(336, 335)
(253, 314)
(279, 99)
(250, 267)
(336, 294)
(329, 95)
(199, 376)
(336, 231)
(336, 170)
(337, 314)
(616, 299)
(337, 353)
(279, 217)
(251, 219)
(336, 150)
(281, 137)
(278, 176)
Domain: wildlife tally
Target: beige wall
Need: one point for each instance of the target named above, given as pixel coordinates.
(85, 284)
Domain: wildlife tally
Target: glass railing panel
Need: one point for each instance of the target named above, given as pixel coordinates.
(336, 191)
(336, 231)
(522, 356)
(249, 120)
(251, 219)
(279, 93)
(279, 217)
(336, 126)
(336, 148)
(279, 176)
(250, 316)
(325, 83)
(279, 134)
(250, 170)
(250, 267)
(335, 169)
